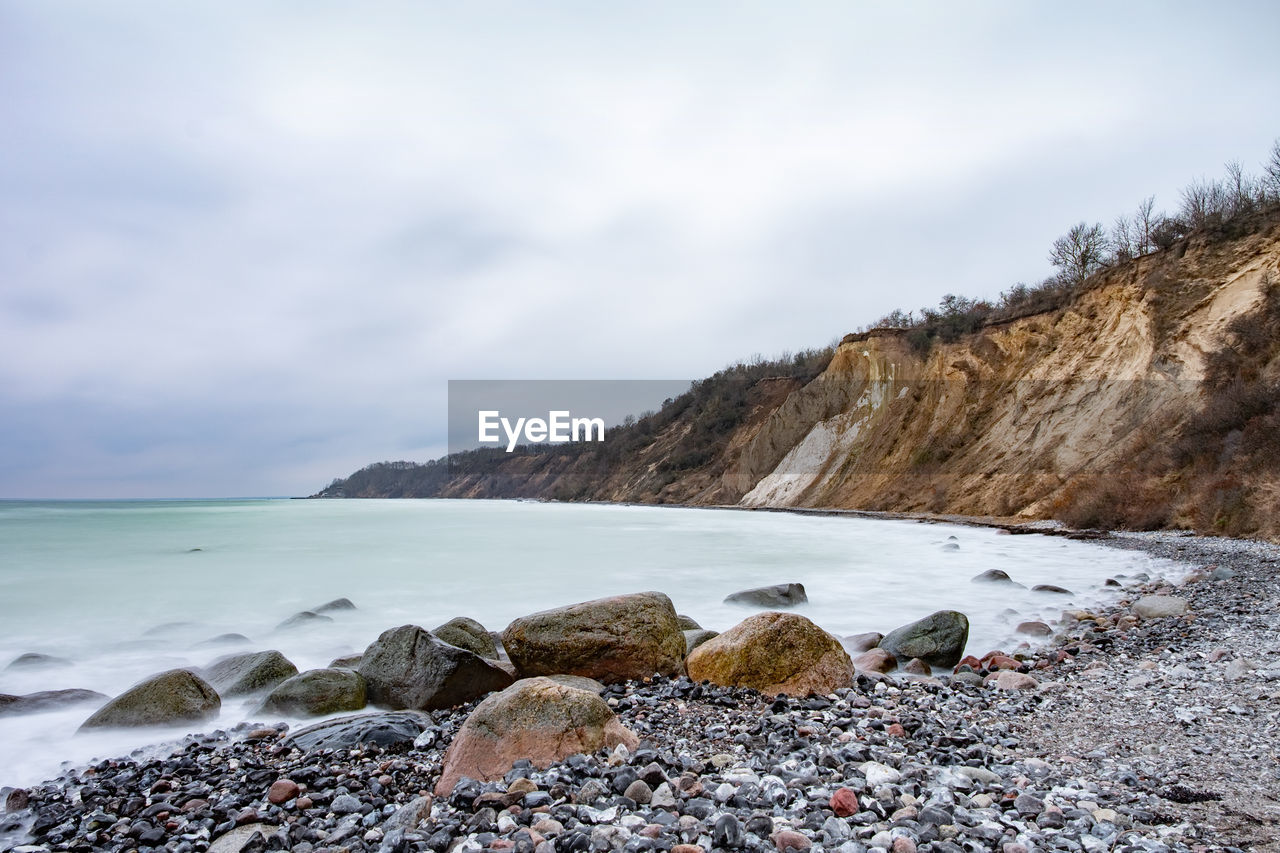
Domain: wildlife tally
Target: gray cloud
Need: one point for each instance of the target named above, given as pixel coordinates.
(244, 253)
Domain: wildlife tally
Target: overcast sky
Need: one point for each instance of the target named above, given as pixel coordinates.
(244, 246)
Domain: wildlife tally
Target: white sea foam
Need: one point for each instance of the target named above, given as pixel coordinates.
(94, 581)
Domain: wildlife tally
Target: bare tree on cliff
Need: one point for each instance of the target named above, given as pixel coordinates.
(1079, 252)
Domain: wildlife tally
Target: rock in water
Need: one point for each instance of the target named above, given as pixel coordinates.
(175, 696)
(336, 604)
(317, 692)
(35, 660)
(1159, 606)
(856, 643)
(46, 700)
(407, 667)
(774, 653)
(693, 639)
(536, 719)
(306, 617)
(778, 595)
(385, 729)
(875, 660)
(609, 639)
(937, 639)
(468, 634)
(687, 623)
(249, 673)
(996, 576)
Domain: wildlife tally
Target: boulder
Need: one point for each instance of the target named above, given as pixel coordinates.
(468, 634)
(875, 660)
(249, 673)
(774, 653)
(384, 729)
(1159, 606)
(336, 604)
(407, 667)
(175, 696)
(306, 617)
(693, 639)
(35, 660)
(863, 642)
(778, 595)
(938, 639)
(45, 700)
(315, 693)
(687, 623)
(609, 639)
(346, 662)
(535, 719)
(996, 576)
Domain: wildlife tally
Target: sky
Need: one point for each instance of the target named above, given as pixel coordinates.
(244, 248)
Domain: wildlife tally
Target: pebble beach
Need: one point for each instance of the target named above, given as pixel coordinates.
(1119, 733)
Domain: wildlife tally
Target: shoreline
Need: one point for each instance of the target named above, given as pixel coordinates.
(1142, 713)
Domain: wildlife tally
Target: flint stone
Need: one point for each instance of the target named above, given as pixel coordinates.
(317, 692)
(468, 634)
(774, 653)
(407, 667)
(249, 673)
(938, 639)
(610, 639)
(385, 729)
(778, 595)
(175, 696)
(535, 719)
(1159, 606)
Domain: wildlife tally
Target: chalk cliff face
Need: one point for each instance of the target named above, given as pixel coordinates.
(1013, 420)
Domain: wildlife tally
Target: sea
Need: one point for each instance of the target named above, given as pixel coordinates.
(125, 589)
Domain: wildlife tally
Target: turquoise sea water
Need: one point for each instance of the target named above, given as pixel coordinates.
(124, 589)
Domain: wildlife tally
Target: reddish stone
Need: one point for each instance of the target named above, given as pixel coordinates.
(1003, 662)
(969, 661)
(915, 666)
(304, 803)
(282, 791)
(902, 844)
(876, 660)
(844, 802)
(785, 840)
(246, 816)
(686, 848)
(895, 730)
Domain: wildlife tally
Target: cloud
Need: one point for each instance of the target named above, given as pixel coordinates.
(296, 223)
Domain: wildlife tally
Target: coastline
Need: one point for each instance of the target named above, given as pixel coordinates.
(1163, 726)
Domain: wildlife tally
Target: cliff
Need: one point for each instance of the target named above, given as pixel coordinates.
(1149, 399)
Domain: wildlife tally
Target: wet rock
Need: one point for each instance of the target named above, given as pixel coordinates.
(857, 643)
(468, 634)
(609, 639)
(1048, 587)
(346, 662)
(693, 639)
(35, 660)
(687, 623)
(306, 617)
(388, 729)
(534, 719)
(778, 595)
(317, 692)
(282, 791)
(407, 667)
(995, 576)
(231, 639)
(45, 700)
(1007, 679)
(875, 660)
(175, 696)
(1159, 606)
(248, 674)
(938, 639)
(337, 604)
(1034, 629)
(916, 666)
(774, 653)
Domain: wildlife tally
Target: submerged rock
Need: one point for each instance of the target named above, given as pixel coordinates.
(996, 576)
(35, 660)
(938, 639)
(306, 617)
(336, 604)
(609, 639)
(407, 667)
(317, 692)
(384, 729)
(249, 673)
(1048, 587)
(45, 700)
(468, 634)
(778, 595)
(774, 653)
(175, 696)
(535, 719)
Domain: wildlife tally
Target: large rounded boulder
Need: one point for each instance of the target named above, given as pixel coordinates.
(774, 653)
(249, 673)
(537, 719)
(468, 634)
(317, 692)
(169, 698)
(938, 639)
(609, 639)
(408, 667)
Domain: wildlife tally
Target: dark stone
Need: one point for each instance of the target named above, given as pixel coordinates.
(394, 729)
(1048, 587)
(407, 667)
(35, 660)
(468, 634)
(996, 576)
(938, 639)
(175, 696)
(45, 700)
(249, 673)
(778, 595)
(727, 832)
(317, 692)
(336, 604)
(306, 617)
